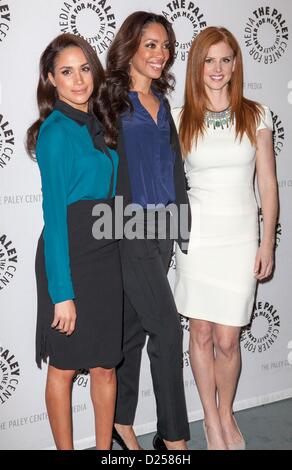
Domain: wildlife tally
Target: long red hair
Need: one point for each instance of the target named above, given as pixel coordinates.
(246, 112)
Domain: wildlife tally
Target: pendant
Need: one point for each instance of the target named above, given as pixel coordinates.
(220, 119)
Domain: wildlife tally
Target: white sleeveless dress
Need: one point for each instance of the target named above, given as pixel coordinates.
(215, 280)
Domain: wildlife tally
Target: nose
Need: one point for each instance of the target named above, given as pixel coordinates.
(78, 77)
(218, 66)
(160, 52)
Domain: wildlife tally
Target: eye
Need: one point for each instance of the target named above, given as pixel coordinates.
(167, 45)
(208, 60)
(151, 45)
(226, 60)
(66, 72)
(86, 68)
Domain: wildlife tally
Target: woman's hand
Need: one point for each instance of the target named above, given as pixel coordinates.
(264, 261)
(65, 317)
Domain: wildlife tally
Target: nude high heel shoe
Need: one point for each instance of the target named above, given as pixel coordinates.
(206, 435)
(237, 445)
(209, 446)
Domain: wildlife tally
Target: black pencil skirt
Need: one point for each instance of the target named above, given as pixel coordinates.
(97, 282)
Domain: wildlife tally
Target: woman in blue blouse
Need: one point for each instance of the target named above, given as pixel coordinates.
(79, 284)
(150, 174)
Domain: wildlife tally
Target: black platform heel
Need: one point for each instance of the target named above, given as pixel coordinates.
(118, 439)
(158, 443)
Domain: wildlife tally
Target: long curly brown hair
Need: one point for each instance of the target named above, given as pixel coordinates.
(99, 102)
(124, 47)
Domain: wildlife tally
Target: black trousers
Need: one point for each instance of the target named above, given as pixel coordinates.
(149, 309)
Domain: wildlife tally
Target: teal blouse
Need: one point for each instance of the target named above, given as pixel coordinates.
(72, 169)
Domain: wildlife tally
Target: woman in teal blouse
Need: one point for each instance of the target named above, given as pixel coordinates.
(79, 285)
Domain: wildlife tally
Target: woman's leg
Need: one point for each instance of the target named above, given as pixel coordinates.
(58, 401)
(227, 370)
(103, 396)
(203, 367)
(147, 287)
(128, 374)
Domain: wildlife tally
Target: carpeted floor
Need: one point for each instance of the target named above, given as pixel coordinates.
(267, 427)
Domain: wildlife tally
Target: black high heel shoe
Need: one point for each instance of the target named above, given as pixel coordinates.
(158, 443)
(118, 439)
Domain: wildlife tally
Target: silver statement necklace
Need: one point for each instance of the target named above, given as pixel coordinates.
(218, 119)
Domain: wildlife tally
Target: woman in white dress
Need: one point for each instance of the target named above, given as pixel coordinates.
(225, 139)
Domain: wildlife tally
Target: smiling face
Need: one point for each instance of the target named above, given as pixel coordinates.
(73, 78)
(218, 67)
(152, 54)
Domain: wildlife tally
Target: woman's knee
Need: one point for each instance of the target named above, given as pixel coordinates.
(101, 374)
(60, 374)
(226, 345)
(201, 333)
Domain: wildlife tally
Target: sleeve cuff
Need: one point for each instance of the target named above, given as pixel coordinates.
(61, 293)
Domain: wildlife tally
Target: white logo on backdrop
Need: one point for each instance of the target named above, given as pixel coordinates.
(187, 20)
(266, 35)
(186, 338)
(8, 261)
(4, 21)
(81, 378)
(260, 335)
(278, 134)
(9, 374)
(95, 21)
(6, 141)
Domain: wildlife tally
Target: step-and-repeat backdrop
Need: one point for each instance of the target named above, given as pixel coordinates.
(264, 29)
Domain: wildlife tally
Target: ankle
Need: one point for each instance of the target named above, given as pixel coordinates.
(225, 414)
(124, 428)
(126, 437)
(176, 445)
(212, 419)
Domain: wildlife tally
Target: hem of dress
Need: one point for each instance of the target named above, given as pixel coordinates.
(81, 366)
(41, 350)
(220, 322)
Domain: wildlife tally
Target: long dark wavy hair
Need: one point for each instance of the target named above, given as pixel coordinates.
(99, 102)
(124, 47)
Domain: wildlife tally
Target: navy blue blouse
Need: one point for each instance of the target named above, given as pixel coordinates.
(149, 154)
